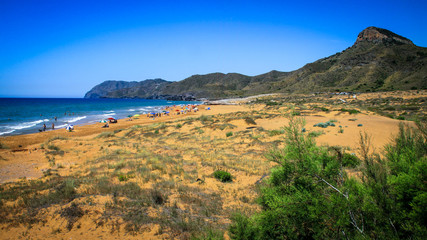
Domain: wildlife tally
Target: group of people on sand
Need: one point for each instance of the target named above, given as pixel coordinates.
(166, 111)
(175, 110)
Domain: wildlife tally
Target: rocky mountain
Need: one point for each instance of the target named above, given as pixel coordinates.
(123, 89)
(378, 60)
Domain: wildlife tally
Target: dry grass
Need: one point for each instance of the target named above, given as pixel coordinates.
(157, 180)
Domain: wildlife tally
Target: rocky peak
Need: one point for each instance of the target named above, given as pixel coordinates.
(380, 35)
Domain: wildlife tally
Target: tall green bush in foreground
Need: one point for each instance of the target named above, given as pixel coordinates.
(309, 194)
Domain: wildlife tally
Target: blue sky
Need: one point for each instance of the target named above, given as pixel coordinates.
(64, 48)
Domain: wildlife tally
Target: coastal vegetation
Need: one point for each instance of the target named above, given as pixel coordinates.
(198, 181)
(310, 195)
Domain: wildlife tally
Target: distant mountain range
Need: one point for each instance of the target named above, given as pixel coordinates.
(379, 60)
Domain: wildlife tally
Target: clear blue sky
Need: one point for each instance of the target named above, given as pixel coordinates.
(62, 48)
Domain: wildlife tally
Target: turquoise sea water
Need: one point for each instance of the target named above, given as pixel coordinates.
(27, 115)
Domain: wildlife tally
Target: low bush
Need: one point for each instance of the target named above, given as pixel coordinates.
(276, 132)
(3, 146)
(324, 109)
(350, 160)
(223, 176)
(250, 121)
(350, 111)
(296, 113)
(105, 135)
(229, 134)
(310, 196)
(325, 125)
(271, 103)
(316, 133)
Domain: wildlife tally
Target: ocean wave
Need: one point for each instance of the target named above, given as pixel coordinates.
(7, 132)
(131, 110)
(27, 124)
(75, 119)
(146, 108)
(61, 126)
(108, 115)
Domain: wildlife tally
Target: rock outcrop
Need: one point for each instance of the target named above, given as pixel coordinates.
(380, 35)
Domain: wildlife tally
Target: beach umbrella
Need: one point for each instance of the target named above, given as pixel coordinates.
(103, 121)
(111, 118)
(136, 115)
(129, 116)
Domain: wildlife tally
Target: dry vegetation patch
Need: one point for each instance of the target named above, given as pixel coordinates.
(158, 180)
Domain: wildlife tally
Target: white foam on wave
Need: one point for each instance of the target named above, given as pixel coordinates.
(146, 108)
(108, 115)
(27, 124)
(76, 119)
(61, 126)
(131, 110)
(7, 132)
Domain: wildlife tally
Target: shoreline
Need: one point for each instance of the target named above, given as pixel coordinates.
(22, 116)
(23, 141)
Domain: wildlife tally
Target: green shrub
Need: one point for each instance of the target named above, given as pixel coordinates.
(324, 109)
(229, 134)
(122, 177)
(325, 125)
(275, 132)
(223, 176)
(3, 146)
(53, 147)
(315, 133)
(310, 196)
(242, 228)
(350, 111)
(271, 103)
(350, 160)
(296, 113)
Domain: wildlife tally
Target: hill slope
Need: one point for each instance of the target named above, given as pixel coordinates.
(378, 60)
(123, 89)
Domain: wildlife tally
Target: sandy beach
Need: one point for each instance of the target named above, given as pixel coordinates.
(175, 155)
(23, 149)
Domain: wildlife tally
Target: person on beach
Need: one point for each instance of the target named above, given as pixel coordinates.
(53, 126)
(44, 127)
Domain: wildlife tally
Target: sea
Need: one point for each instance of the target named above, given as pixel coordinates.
(27, 115)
